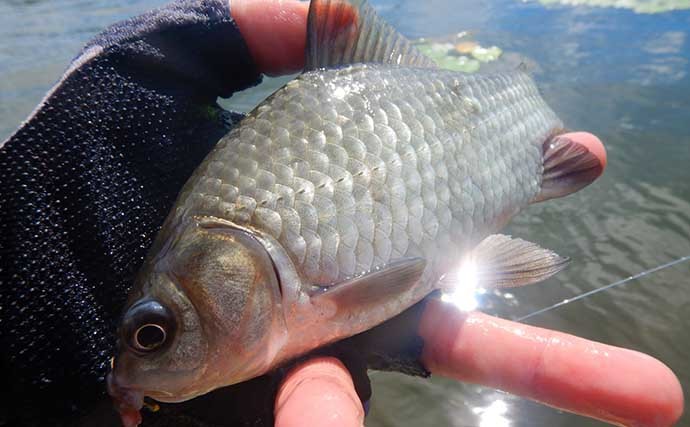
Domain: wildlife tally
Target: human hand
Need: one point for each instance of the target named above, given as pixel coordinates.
(596, 380)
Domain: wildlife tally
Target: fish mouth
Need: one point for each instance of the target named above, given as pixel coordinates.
(128, 401)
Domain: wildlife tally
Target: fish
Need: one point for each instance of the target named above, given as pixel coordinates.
(347, 196)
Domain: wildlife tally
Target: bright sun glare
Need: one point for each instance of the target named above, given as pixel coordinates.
(493, 415)
(461, 286)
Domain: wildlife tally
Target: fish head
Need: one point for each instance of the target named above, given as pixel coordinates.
(206, 313)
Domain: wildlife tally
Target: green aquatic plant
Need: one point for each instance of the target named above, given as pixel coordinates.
(465, 57)
(487, 54)
(639, 6)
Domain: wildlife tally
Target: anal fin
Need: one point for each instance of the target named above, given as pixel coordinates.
(501, 261)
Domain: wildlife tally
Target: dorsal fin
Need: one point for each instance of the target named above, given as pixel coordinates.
(341, 32)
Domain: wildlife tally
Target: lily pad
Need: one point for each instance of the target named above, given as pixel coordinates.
(487, 54)
(459, 63)
(462, 55)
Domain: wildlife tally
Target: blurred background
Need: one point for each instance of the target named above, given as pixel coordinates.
(617, 68)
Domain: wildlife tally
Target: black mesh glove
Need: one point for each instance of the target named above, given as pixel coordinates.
(86, 182)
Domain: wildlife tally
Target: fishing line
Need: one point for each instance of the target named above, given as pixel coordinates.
(604, 288)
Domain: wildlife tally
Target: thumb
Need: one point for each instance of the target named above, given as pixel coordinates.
(319, 392)
(275, 32)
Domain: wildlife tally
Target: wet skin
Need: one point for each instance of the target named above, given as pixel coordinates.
(596, 380)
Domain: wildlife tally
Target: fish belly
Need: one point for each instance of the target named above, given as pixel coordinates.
(352, 168)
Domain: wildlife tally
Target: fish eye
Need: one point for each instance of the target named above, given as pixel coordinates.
(149, 337)
(147, 326)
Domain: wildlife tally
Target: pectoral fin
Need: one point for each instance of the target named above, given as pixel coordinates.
(375, 287)
(501, 261)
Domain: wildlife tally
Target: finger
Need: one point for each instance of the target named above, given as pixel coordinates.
(592, 379)
(318, 392)
(275, 32)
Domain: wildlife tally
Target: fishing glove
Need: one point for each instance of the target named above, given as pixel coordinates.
(86, 182)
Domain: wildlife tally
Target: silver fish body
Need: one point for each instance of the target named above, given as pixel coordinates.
(345, 197)
(349, 169)
(339, 174)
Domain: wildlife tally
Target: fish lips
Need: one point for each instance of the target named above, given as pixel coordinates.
(128, 401)
(128, 397)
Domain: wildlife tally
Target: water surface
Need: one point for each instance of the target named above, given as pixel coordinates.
(621, 75)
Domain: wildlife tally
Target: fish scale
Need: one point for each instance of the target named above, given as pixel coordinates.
(352, 168)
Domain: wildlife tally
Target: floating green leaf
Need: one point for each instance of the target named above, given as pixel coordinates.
(447, 56)
(487, 55)
(459, 63)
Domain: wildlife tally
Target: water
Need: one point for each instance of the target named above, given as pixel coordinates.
(620, 75)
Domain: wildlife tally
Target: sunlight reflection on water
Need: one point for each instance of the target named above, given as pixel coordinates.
(493, 415)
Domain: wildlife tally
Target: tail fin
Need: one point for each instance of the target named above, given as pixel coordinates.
(571, 162)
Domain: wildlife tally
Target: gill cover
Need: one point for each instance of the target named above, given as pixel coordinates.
(207, 314)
